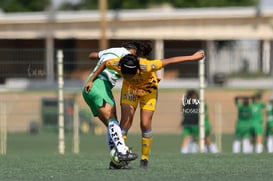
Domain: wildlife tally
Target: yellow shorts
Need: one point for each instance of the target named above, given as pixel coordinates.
(146, 99)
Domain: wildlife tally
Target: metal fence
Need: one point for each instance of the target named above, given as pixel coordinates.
(30, 99)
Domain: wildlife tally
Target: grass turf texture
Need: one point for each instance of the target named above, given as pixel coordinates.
(35, 157)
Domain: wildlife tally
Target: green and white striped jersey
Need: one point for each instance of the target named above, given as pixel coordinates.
(104, 55)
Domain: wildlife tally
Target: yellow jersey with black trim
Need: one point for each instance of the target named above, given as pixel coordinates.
(145, 79)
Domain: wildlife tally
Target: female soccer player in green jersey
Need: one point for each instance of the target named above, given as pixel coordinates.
(243, 125)
(257, 107)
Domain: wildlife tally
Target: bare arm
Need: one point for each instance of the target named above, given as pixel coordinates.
(93, 55)
(88, 84)
(196, 56)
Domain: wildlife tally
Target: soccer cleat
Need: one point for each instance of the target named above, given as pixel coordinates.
(129, 156)
(144, 164)
(113, 166)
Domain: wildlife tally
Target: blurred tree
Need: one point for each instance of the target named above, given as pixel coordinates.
(40, 5)
(211, 3)
(69, 6)
(24, 5)
(143, 4)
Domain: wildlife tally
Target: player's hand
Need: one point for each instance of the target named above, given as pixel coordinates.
(88, 86)
(199, 55)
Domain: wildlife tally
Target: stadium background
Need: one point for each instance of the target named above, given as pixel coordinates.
(238, 45)
(236, 63)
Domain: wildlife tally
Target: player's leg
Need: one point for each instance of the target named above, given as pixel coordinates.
(247, 146)
(259, 144)
(269, 143)
(194, 148)
(107, 115)
(243, 132)
(95, 101)
(129, 103)
(127, 115)
(102, 104)
(269, 136)
(247, 133)
(186, 139)
(258, 128)
(101, 101)
(211, 146)
(236, 147)
(147, 136)
(147, 108)
(116, 136)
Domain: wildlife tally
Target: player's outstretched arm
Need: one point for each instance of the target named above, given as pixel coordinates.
(194, 57)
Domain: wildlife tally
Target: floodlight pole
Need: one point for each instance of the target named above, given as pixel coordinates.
(159, 54)
(202, 106)
(50, 44)
(61, 102)
(3, 128)
(218, 123)
(76, 139)
(103, 24)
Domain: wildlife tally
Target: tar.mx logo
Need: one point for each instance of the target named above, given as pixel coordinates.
(190, 105)
(35, 72)
(189, 101)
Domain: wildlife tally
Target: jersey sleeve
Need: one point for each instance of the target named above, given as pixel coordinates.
(101, 53)
(113, 64)
(150, 65)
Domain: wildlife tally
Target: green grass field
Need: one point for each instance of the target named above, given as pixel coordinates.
(36, 158)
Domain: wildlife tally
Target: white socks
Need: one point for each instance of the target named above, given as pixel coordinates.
(194, 148)
(269, 144)
(247, 147)
(109, 141)
(116, 136)
(236, 148)
(259, 148)
(213, 148)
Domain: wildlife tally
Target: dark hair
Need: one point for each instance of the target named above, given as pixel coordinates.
(258, 95)
(145, 48)
(245, 101)
(129, 64)
(130, 45)
(191, 93)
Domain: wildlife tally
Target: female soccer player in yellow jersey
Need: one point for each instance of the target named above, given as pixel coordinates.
(140, 85)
